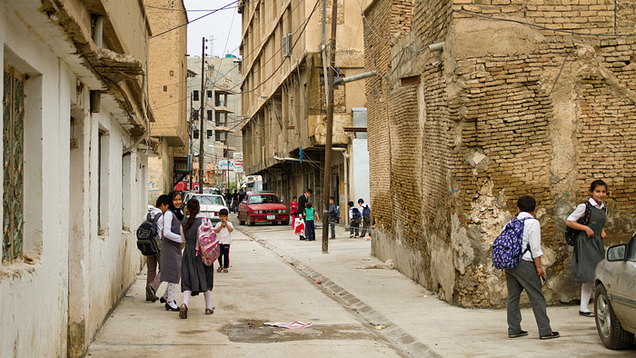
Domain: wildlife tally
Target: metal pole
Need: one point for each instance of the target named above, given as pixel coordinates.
(191, 145)
(201, 111)
(328, 140)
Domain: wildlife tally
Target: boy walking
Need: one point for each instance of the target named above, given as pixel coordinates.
(153, 277)
(334, 216)
(309, 222)
(527, 275)
(366, 218)
(354, 220)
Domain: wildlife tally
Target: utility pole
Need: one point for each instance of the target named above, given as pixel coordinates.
(191, 140)
(201, 111)
(328, 139)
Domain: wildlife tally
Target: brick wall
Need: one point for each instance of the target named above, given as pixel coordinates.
(507, 109)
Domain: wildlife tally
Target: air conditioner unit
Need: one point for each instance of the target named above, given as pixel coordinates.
(287, 39)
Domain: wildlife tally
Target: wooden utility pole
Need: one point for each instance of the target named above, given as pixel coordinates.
(328, 141)
(201, 111)
(191, 140)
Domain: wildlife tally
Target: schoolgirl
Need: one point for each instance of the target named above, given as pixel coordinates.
(196, 277)
(588, 248)
(171, 249)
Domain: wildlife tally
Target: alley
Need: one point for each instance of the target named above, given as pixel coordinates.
(272, 278)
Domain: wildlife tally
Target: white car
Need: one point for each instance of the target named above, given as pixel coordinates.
(615, 296)
(210, 205)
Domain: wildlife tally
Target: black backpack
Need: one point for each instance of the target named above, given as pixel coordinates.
(148, 236)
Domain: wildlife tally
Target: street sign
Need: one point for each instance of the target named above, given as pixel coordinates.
(238, 167)
(238, 157)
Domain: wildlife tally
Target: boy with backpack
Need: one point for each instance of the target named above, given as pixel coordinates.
(366, 218)
(354, 220)
(334, 216)
(524, 271)
(152, 251)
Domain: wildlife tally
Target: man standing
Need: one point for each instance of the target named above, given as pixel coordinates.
(527, 275)
(334, 216)
(302, 200)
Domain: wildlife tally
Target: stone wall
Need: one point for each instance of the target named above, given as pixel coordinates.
(509, 107)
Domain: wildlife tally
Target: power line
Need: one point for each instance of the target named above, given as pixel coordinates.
(198, 18)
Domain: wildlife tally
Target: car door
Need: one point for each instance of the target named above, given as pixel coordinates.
(624, 291)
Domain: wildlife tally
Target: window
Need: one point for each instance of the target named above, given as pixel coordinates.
(209, 94)
(165, 88)
(209, 114)
(195, 95)
(195, 134)
(13, 161)
(171, 73)
(195, 115)
(210, 133)
(220, 136)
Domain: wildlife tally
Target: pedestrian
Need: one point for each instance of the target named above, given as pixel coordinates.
(223, 231)
(228, 198)
(293, 211)
(153, 262)
(366, 218)
(302, 201)
(235, 201)
(588, 248)
(354, 220)
(334, 216)
(310, 214)
(171, 249)
(196, 277)
(527, 275)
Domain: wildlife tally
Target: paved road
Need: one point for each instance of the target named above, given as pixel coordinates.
(272, 278)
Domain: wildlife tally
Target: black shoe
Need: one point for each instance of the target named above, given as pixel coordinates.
(168, 308)
(586, 314)
(551, 336)
(162, 300)
(516, 335)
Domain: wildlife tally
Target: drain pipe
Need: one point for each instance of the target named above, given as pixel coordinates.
(346, 157)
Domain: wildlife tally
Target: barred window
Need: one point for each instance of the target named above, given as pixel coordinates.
(13, 161)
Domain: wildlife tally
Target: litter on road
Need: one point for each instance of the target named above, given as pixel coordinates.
(293, 325)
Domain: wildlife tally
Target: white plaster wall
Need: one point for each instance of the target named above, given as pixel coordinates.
(360, 171)
(34, 298)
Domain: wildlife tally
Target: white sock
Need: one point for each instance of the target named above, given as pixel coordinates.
(586, 293)
(208, 299)
(186, 297)
(170, 299)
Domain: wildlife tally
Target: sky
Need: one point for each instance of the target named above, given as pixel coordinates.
(223, 26)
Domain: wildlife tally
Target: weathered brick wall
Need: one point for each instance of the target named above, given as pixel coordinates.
(507, 109)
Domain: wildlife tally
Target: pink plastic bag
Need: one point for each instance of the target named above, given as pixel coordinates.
(299, 226)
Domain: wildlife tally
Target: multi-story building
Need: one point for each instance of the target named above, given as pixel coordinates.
(480, 103)
(76, 118)
(283, 98)
(221, 133)
(168, 95)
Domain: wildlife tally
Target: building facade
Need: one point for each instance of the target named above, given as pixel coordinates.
(513, 98)
(167, 87)
(221, 132)
(283, 97)
(76, 118)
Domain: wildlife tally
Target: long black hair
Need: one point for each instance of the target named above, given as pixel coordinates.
(193, 210)
(177, 211)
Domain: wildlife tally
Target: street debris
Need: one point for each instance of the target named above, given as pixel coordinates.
(292, 325)
(380, 326)
(387, 265)
(318, 281)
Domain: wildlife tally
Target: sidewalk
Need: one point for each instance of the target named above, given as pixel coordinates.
(439, 328)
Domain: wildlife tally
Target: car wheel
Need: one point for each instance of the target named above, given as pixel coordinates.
(285, 222)
(607, 324)
(249, 221)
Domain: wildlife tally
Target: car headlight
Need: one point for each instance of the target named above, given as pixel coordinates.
(281, 211)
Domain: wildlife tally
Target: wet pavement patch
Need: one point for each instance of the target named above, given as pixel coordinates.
(253, 331)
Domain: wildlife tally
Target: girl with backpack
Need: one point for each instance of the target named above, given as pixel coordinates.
(171, 249)
(589, 219)
(196, 277)
(354, 220)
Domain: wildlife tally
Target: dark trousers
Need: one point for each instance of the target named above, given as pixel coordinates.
(332, 225)
(366, 226)
(310, 228)
(524, 277)
(354, 227)
(224, 257)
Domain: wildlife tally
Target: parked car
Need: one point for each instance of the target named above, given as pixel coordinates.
(210, 205)
(262, 207)
(615, 296)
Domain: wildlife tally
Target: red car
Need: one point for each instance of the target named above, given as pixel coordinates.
(262, 207)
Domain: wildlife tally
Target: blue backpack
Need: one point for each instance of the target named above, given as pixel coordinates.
(366, 213)
(357, 217)
(506, 250)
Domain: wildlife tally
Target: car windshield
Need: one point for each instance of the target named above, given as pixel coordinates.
(264, 199)
(208, 200)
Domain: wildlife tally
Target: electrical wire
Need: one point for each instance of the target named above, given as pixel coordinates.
(198, 18)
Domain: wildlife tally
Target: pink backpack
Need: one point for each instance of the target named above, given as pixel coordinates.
(207, 243)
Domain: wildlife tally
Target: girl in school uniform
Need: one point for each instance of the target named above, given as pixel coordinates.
(171, 249)
(196, 277)
(588, 248)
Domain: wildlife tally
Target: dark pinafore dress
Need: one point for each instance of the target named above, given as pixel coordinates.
(588, 251)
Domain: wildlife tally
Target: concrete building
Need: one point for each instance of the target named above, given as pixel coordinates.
(515, 98)
(168, 92)
(75, 117)
(283, 92)
(222, 135)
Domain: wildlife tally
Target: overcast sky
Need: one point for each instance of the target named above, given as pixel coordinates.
(223, 26)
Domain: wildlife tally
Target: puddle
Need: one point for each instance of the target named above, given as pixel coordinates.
(253, 331)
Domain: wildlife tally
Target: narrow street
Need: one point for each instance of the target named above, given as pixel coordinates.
(272, 279)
